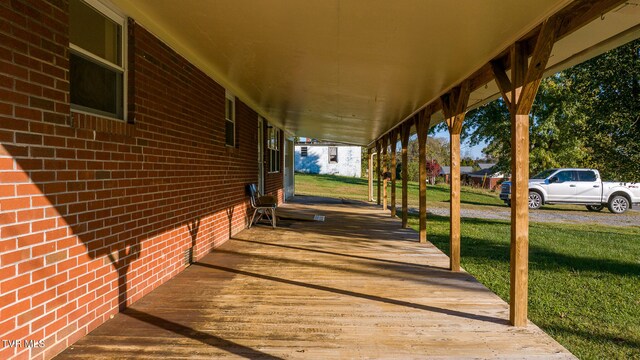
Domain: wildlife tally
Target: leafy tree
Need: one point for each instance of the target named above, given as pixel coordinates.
(433, 170)
(609, 88)
(586, 116)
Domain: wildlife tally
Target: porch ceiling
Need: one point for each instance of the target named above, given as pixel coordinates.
(349, 70)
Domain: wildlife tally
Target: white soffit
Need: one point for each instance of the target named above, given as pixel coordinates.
(349, 70)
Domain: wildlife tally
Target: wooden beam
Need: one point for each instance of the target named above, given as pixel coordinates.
(378, 157)
(502, 80)
(393, 141)
(454, 202)
(535, 69)
(384, 170)
(370, 173)
(453, 106)
(521, 91)
(422, 127)
(571, 18)
(404, 138)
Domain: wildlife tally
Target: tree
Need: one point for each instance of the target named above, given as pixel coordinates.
(586, 116)
(433, 170)
(610, 89)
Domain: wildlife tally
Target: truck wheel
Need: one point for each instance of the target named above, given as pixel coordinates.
(618, 204)
(535, 200)
(595, 207)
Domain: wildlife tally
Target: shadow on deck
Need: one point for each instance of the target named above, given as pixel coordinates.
(353, 286)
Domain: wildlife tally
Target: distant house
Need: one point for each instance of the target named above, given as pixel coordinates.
(327, 158)
(487, 177)
(445, 172)
(486, 165)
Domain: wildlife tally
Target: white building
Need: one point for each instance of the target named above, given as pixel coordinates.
(329, 159)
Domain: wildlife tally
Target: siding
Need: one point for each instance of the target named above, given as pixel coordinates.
(317, 161)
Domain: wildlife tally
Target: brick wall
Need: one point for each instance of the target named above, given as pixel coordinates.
(95, 213)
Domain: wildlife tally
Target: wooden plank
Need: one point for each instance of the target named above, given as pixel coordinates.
(581, 12)
(422, 127)
(392, 143)
(370, 173)
(406, 130)
(274, 294)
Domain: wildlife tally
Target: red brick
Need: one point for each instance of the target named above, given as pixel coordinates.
(7, 299)
(43, 225)
(30, 265)
(31, 239)
(14, 230)
(7, 191)
(42, 322)
(7, 272)
(30, 215)
(27, 189)
(30, 290)
(14, 256)
(15, 283)
(6, 164)
(43, 273)
(13, 177)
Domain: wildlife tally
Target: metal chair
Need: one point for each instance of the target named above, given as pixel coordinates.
(262, 205)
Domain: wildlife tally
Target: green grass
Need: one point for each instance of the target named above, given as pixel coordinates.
(356, 188)
(584, 280)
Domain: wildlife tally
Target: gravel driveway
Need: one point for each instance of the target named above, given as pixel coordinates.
(631, 218)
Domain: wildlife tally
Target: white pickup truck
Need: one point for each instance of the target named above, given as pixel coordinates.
(577, 187)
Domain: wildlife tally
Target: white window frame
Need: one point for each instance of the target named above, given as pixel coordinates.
(229, 96)
(273, 146)
(121, 20)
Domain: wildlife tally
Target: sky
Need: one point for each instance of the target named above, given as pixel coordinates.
(474, 151)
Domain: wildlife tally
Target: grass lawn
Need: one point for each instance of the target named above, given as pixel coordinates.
(356, 188)
(584, 280)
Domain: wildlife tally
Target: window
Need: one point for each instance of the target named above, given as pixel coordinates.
(96, 61)
(230, 119)
(586, 176)
(273, 144)
(333, 155)
(565, 176)
(303, 151)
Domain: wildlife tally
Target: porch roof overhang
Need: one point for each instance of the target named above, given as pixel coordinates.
(348, 70)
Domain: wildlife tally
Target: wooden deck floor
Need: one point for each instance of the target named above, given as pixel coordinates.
(354, 286)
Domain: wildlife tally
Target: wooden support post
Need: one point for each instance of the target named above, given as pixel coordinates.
(384, 170)
(370, 173)
(404, 138)
(519, 93)
(393, 142)
(454, 105)
(422, 120)
(378, 159)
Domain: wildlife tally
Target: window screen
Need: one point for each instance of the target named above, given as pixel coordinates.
(96, 72)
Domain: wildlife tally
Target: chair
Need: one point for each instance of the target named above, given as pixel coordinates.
(262, 205)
